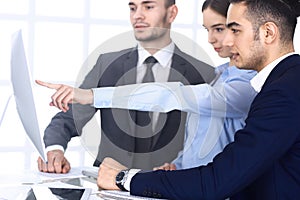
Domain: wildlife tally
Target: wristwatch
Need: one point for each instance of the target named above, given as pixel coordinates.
(121, 179)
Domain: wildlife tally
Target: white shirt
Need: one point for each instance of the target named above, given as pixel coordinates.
(161, 69)
(259, 80)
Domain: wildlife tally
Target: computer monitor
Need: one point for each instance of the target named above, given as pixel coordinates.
(22, 88)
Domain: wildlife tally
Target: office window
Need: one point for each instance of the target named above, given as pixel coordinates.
(58, 50)
(110, 10)
(61, 8)
(14, 7)
(185, 9)
(58, 36)
(6, 28)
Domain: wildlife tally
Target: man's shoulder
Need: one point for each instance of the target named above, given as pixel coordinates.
(106, 59)
(200, 59)
(118, 53)
(193, 64)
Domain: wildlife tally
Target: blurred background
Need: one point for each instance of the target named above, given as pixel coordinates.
(58, 36)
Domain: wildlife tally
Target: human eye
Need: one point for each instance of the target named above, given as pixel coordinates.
(149, 7)
(235, 31)
(132, 8)
(219, 29)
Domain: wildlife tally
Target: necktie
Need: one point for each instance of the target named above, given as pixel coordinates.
(143, 118)
(149, 77)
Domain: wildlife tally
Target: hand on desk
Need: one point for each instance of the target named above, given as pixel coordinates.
(66, 94)
(108, 171)
(57, 163)
(166, 166)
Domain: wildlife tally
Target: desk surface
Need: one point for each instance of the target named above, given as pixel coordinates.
(16, 186)
(18, 191)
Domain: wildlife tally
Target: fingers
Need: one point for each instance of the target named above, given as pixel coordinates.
(48, 85)
(162, 167)
(63, 166)
(66, 166)
(62, 97)
(65, 95)
(40, 164)
(172, 167)
(166, 166)
(57, 163)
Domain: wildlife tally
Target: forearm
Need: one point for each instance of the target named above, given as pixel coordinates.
(228, 99)
(158, 97)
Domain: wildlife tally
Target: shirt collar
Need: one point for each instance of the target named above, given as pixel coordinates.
(163, 56)
(259, 80)
(221, 68)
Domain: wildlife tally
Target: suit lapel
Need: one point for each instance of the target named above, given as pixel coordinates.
(177, 71)
(129, 77)
(129, 67)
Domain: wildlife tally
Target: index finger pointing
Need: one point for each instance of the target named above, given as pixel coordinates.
(48, 85)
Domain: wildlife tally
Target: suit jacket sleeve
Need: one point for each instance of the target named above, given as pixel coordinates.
(268, 142)
(64, 126)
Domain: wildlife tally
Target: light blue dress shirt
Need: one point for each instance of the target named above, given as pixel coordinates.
(215, 112)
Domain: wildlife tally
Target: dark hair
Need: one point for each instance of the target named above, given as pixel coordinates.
(220, 6)
(283, 13)
(169, 3)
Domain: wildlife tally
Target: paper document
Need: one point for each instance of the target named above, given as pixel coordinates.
(49, 177)
(21, 81)
(121, 195)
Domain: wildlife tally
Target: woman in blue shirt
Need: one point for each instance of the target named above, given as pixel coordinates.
(208, 132)
(215, 111)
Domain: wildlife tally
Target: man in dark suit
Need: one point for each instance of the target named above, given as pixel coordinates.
(263, 161)
(123, 136)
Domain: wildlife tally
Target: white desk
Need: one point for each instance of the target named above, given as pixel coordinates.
(16, 186)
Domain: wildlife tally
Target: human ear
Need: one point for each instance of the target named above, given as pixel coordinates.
(172, 10)
(270, 32)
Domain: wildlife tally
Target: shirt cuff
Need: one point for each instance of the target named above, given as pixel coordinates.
(130, 175)
(103, 97)
(54, 147)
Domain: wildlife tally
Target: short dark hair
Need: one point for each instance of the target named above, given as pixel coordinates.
(169, 3)
(283, 13)
(219, 6)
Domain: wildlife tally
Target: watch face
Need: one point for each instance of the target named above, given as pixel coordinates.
(120, 176)
(121, 179)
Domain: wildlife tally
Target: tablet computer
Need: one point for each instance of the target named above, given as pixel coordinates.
(42, 192)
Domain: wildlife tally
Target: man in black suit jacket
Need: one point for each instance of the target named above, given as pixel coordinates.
(263, 161)
(121, 138)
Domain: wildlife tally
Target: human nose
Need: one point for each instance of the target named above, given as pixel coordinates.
(138, 14)
(211, 37)
(228, 40)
